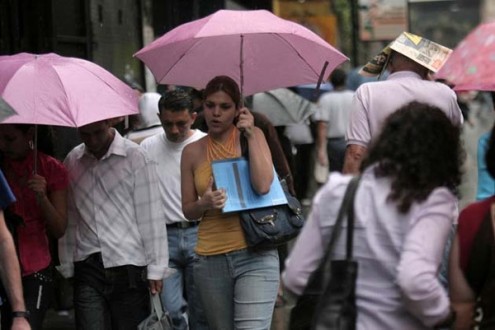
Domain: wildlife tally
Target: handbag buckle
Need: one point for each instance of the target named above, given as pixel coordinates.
(268, 219)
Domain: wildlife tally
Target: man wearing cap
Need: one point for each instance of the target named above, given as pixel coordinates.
(409, 59)
(176, 115)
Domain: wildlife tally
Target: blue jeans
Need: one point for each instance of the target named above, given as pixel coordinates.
(109, 298)
(238, 289)
(179, 295)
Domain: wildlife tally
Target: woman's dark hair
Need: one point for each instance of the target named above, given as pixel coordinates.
(45, 136)
(224, 84)
(490, 154)
(420, 149)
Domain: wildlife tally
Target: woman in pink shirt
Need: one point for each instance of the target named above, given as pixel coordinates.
(40, 212)
(404, 208)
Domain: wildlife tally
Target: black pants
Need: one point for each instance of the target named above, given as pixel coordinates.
(109, 298)
(38, 296)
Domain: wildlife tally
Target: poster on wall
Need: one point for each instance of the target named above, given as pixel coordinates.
(381, 20)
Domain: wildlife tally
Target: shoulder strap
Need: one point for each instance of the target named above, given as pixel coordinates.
(319, 277)
(346, 210)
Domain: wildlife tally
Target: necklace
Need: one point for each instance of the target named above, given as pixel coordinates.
(218, 150)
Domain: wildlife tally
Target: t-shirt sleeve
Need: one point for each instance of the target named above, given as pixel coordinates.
(6, 195)
(358, 129)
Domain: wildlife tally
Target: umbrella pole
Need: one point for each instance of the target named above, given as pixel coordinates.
(316, 93)
(242, 70)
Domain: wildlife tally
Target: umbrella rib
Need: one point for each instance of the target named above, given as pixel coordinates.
(297, 52)
(178, 60)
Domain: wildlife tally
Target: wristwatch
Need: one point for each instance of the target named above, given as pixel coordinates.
(24, 314)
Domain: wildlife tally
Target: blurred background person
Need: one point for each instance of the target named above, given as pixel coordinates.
(147, 123)
(472, 259)
(332, 118)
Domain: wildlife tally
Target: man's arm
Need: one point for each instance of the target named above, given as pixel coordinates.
(321, 142)
(354, 155)
(11, 274)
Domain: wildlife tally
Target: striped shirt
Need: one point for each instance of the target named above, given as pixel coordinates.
(114, 208)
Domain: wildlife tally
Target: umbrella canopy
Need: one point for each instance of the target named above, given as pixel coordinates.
(54, 90)
(471, 66)
(283, 107)
(257, 49)
(5, 110)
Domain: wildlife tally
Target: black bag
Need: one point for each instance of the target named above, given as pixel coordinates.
(271, 226)
(329, 301)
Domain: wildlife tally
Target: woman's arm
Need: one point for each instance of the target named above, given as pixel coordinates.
(193, 206)
(462, 297)
(53, 205)
(260, 158)
(422, 252)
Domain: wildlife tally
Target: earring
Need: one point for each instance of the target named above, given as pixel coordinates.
(31, 144)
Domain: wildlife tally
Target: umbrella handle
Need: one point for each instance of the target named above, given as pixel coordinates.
(320, 79)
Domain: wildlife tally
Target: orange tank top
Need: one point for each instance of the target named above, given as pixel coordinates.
(218, 233)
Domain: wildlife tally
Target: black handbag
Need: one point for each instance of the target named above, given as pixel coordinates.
(271, 226)
(329, 301)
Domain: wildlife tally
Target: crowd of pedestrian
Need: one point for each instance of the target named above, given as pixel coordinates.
(134, 214)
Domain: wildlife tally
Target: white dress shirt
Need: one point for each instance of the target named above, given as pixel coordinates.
(114, 207)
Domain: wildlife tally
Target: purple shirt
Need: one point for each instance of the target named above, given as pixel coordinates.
(399, 255)
(374, 101)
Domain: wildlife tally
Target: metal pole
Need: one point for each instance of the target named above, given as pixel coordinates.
(355, 33)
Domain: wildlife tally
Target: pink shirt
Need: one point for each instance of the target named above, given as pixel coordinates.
(34, 252)
(374, 101)
(399, 255)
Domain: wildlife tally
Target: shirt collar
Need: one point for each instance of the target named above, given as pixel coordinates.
(117, 147)
(403, 74)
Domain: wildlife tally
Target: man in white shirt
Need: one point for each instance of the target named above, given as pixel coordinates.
(115, 238)
(332, 117)
(177, 116)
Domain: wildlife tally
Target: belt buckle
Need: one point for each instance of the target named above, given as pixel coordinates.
(183, 224)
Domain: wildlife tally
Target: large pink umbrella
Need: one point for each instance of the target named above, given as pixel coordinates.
(54, 90)
(471, 66)
(256, 48)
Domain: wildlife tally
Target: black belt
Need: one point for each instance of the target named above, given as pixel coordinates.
(183, 224)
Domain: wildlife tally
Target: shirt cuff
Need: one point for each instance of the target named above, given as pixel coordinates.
(159, 272)
(67, 269)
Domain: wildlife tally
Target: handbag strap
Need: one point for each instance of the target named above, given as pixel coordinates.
(156, 305)
(346, 209)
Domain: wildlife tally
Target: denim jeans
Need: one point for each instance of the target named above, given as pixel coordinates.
(111, 298)
(238, 289)
(179, 295)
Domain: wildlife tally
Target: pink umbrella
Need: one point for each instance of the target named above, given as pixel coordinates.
(471, 66)
(256, 48)
(54, 90)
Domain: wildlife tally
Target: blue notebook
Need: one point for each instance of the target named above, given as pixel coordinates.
(233, 176)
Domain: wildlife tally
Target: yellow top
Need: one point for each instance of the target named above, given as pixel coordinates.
(218, 233)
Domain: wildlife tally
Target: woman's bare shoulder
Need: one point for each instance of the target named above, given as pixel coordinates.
(196, 150)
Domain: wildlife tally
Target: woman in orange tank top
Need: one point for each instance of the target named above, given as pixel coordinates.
(237, 286)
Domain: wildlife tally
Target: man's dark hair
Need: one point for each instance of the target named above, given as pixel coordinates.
(175, 100)
(338, 78)
(420, 149)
